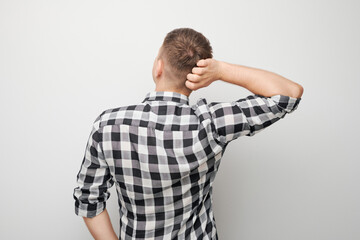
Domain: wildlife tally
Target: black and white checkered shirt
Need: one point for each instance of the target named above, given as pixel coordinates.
(163, 156)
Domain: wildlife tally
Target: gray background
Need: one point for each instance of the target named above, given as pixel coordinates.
(64, 62)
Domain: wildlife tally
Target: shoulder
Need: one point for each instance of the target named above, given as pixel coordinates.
(205, 109)
(212, 106)
(111, 116)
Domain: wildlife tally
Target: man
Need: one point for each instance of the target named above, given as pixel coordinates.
(163, 154)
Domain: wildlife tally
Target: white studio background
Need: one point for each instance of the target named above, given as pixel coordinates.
(64, 62)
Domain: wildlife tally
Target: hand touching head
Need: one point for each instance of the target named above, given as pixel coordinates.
(181, 50)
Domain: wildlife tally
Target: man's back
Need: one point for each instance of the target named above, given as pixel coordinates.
(163, 156)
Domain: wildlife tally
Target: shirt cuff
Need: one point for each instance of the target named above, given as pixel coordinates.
(286, 103)
(89, 210)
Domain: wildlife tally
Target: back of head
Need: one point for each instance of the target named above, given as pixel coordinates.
(182, 49)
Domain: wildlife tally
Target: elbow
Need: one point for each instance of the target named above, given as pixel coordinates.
(298, 91)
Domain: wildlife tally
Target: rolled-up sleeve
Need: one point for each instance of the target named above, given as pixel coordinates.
(94, 177)
(250, 115)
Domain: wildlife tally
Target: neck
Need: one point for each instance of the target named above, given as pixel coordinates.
(161, 87)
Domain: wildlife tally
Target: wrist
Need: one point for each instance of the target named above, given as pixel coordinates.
(220, 72)
(224, 71)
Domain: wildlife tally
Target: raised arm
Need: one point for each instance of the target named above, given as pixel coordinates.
(273, 97)
(258, 81)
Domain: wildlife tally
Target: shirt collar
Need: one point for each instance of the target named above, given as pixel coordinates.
(166, 96)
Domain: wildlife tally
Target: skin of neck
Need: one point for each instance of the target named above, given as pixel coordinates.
(161, 85)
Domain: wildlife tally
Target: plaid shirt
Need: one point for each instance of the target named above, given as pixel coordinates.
(163, 156)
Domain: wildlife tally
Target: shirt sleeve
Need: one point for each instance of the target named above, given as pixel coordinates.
(250, 115)
(94, 178)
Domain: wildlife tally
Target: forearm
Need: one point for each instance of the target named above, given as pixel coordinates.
(100, 227)
(259, 81)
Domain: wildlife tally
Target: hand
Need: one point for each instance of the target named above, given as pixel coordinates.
(207, 71)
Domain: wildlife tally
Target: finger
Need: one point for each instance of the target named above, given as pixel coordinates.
(193, 77)
(192, 85)
(198, 70)
(189, 84)
(202, 63)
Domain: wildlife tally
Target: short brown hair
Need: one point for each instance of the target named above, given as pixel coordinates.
(183, 48)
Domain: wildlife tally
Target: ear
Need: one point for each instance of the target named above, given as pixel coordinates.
(159, 68)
